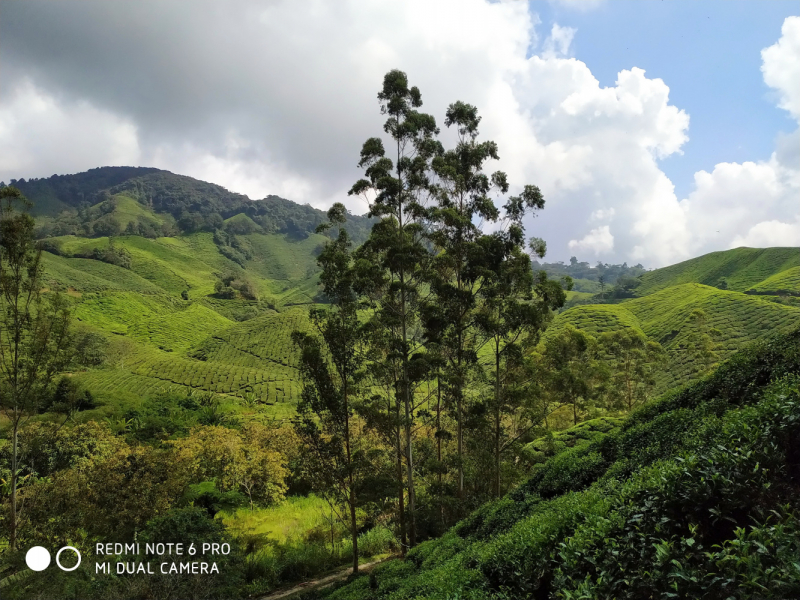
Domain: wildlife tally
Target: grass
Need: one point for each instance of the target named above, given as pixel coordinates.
(296, 540)
(288, 520)
(741, 268)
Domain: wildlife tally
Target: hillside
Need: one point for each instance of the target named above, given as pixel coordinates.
(118, 195)
(693, 496)
(195, 343)
(142, 252)
(740, 269)
(663, 316)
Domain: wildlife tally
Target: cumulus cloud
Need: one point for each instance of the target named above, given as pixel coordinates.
(598, 241)
(770, 233)
(756, 203)
(781, 66)
(558, 42)
(265, 99)
(579, 5)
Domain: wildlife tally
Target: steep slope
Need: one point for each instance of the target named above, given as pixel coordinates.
(741, 269)
(693, 496)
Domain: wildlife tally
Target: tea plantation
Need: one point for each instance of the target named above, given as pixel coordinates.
(741, 269)
(693, 496)
(664, 317)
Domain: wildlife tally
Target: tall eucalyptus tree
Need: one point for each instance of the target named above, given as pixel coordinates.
(396, 188)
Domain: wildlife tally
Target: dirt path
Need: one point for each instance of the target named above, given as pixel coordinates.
(315, 584)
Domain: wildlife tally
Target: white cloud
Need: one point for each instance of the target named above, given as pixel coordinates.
(41, 135)
(602, 214)
(770, 233)
(755, 203)
(598, 241)
(579, 5)
(558, 42)
(781, 66)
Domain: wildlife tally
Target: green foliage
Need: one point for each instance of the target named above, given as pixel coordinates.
(692, 497)
(52, 194)
(633, 360)
(587, 277)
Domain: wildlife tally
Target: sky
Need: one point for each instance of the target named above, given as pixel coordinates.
(657, 131)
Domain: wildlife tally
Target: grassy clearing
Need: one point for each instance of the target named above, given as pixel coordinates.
(297, 540)
(741, 268)
(290, 519)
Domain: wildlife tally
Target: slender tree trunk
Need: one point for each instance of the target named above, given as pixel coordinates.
(497, 414)
(412, 528)
(14, 460)
(459, 417)
(439, 442)
(401, 490)
(351, 484)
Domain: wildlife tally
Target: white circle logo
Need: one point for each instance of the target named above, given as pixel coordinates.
(75, 550)
(37, 558)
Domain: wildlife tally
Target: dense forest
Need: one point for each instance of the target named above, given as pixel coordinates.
(318, 390)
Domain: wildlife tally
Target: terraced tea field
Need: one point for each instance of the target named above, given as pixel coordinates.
(664, 317)
(194, 344)
(258, 341)
(180, 330)
(741, 268)
(200, 344)
(787, 281)
(87, 275)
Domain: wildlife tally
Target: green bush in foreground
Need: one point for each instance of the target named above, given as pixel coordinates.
(695, 496)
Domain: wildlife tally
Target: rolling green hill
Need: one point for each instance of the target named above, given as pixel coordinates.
(664, 317)
(189, 233)
(73, 203)
(742, 269)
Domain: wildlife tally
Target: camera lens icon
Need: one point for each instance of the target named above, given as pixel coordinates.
(38, 558)
(77, 564)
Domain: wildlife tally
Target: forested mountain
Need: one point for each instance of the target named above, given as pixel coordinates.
(74, 201)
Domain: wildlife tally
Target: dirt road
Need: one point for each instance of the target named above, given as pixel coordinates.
(315, 584)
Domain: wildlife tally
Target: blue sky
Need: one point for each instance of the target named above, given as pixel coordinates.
(709, 54)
